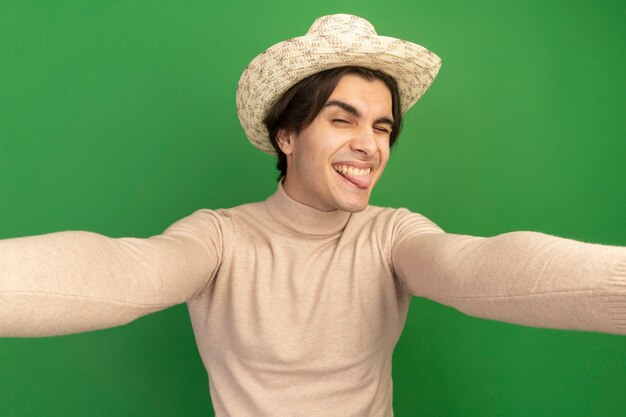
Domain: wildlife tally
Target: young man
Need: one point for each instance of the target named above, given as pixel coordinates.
(297, 302)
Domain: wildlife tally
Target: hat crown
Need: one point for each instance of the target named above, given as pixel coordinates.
(340, 24)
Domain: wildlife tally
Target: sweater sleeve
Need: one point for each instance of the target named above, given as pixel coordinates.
(74, 281)
(526, 278)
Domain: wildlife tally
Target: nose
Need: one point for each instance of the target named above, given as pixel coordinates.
(364, 142)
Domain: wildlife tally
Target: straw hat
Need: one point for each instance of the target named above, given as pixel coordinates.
(332, 41)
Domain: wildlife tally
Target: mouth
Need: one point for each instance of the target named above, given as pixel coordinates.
(357, 177)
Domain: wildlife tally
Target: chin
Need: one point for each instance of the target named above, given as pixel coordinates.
(353, 207)
(357, 209)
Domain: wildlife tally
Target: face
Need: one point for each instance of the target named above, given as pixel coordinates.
(335, 162)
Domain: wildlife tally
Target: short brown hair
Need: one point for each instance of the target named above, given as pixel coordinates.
(299, 106)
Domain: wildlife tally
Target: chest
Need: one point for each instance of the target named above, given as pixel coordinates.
(295, 302)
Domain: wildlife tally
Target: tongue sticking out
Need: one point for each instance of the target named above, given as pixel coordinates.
(360, 181)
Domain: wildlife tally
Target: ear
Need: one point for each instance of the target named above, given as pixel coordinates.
(286, 140)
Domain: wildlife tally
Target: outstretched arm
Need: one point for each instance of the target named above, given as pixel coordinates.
(527, 278)
(75, 281)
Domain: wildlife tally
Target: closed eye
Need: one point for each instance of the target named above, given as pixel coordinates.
(340, 121)
(383, 130)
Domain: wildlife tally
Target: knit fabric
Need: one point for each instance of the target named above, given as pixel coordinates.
(297, 311)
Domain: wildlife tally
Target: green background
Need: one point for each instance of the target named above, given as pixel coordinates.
(119, 117)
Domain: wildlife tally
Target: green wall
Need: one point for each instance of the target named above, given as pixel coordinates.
(119, 117)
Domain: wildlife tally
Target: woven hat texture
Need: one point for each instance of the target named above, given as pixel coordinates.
(332, 41)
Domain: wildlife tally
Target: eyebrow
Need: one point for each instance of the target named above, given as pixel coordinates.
(353, 111)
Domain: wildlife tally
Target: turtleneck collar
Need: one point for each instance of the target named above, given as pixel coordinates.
(302, 219)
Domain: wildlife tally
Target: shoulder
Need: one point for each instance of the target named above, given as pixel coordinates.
(393, 225)
(387, 227)
(225, 216)
(396, 218)
(217, 226)
(247, 209)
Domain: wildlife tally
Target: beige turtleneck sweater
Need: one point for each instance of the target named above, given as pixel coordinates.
(297, 311)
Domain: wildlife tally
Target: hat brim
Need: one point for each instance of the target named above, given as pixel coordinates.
(274, 71)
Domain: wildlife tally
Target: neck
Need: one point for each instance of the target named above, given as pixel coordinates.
(304, 219)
